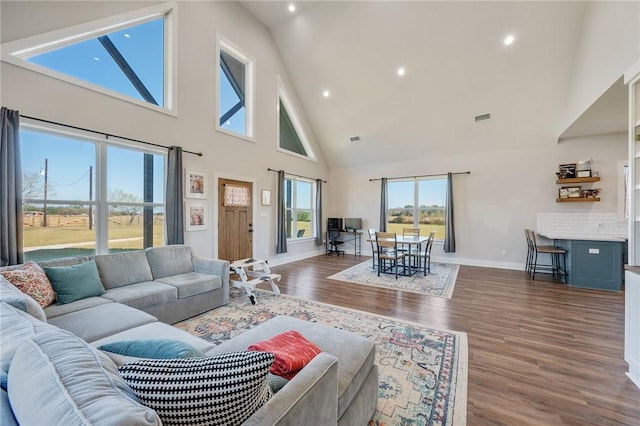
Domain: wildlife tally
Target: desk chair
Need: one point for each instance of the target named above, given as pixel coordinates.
(555, 269)
(374, 248)
(388, 253)
(334, 241)
(423, 258)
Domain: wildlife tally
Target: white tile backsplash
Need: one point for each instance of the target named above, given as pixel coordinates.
(582, 224)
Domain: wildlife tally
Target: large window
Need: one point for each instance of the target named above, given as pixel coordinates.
(85, 196)
(300, 205)
(417, 203)
(126, 56)
(235, 91)
(291, 138)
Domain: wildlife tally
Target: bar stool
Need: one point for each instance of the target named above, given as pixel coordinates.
(555, 269)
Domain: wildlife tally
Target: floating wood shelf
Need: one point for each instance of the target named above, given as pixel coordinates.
(579, 180)
(577, 200)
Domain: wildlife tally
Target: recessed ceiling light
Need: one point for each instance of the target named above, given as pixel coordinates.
(95, 58)
(326, 93)
(509, 39)
(127, 35)
(401, 71)
(292, 7)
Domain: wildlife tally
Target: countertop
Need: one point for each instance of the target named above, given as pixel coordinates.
(583, 237)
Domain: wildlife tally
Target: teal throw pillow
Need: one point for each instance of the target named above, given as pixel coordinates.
(152, 348)
(75, 282)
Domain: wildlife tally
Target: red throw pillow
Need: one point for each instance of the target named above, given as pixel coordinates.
(292, 352)
(31, 279)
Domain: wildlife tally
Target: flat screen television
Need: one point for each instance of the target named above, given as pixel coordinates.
(334, 224)
(353, 223)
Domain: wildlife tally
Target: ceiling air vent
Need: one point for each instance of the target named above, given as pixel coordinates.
(354, 138)
(483, 117)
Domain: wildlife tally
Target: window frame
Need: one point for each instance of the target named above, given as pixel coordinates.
(294, 209)
(416, 198)
(101, 202)
(15, 52)
(227, 46)
(284, 97)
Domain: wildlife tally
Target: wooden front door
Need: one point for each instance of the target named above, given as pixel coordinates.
(235, 219)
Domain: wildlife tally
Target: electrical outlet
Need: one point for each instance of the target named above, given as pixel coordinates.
(504, 252)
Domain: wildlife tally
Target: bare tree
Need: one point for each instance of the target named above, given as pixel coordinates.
(33, 186)
(119, 195)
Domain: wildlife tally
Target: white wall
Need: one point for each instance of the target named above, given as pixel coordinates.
(608, 45)
(193, 129)
(501, 196)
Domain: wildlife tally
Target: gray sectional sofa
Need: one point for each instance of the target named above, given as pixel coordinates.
(144, 291)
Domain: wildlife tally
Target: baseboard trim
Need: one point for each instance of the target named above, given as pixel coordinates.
(287, 258)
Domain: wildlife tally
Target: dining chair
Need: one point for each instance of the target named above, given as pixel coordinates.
(527, 265)
(388, 252)
(423, 258)
(555, 269)
(374, 247)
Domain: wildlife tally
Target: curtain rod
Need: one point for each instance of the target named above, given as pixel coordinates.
(199, 154)
(292, 174)
(415, 177)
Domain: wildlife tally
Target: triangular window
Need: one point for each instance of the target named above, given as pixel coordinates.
(290, 136)
(123, 56)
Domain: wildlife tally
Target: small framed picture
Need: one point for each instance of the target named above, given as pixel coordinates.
(266, 197)
(573, 191)
(195, 184)
(583, 173)
(563, 193)
(567, 171)
(196, 216)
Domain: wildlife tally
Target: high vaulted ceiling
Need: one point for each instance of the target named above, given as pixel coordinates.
(457, 67)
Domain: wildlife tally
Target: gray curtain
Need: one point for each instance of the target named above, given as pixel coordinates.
(450, 238)
(384, 199)
(174, 216)
(281, 226)
(319, 236)
(11, 251)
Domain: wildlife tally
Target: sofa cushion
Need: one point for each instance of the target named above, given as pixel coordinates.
(57, 309)
(75, 282)
(355, 353)
(16, 326)
(152, 348)
(120, 269)
(31, 279)
(72, 384)
(6, 413)
(14, 297)
(192, 283)
(166, 261)
(100, 321)
(225, 389)
(142, 295)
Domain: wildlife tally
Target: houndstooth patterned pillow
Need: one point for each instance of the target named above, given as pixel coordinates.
(224, 389)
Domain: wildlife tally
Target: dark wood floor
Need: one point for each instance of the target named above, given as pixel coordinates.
(540, 353)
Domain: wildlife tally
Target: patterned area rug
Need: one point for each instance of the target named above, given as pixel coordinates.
(422, 371)
(440, 282)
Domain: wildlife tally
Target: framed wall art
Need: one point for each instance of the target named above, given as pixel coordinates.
(195, 184)
(196, 216)
(266, 197)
